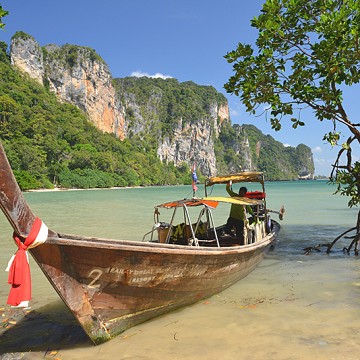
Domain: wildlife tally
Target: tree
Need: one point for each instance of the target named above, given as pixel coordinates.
(2, 14)
(306, 54)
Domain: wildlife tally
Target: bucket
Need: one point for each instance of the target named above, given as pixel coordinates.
(162, 234)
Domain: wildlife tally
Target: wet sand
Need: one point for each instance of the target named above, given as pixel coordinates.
(283, 310)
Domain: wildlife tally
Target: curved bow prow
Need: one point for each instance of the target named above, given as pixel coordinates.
(12, 201)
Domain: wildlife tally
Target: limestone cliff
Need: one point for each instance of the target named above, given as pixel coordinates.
(79, 76)
(76, 74)
(191, 123)
(194, 143)
(27, 56)
(186, 118)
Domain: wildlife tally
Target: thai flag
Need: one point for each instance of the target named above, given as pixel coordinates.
(194, 178)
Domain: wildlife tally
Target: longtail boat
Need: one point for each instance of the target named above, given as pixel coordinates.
(111, 285)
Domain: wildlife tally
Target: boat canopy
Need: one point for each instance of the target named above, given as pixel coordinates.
(210, 201)
(246, 176)
(189, 203)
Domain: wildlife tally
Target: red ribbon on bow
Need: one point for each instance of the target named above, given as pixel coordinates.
(19, 272)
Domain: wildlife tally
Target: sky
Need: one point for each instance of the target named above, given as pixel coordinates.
(182, 39)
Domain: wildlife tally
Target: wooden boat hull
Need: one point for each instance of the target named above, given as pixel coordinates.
(135, 281)
(112, 285)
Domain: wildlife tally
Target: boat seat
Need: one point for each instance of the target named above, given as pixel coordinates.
(202, 230)
(180, 234)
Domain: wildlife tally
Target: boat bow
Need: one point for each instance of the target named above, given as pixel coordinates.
(12, 201)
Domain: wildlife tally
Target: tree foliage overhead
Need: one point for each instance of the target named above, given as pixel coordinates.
(2, 14)
(306, 54)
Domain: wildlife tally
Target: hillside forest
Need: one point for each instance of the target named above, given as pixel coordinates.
(52, 144)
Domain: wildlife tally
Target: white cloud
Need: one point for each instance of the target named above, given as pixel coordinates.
(144, 74)
(320, 161)
(237, 111)
(287, 145)
(322, 166)
(317, 149)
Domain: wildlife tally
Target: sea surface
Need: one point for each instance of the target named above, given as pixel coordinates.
(293, 306)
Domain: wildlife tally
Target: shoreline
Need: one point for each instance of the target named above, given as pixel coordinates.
(143, 187)
(105, 188)
(77, 189)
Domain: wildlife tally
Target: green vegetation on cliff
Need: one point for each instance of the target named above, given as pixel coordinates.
(49, 143)
(72, 54)
(279, 162)
(163, 102)
(264, 153)
(167, 101)
(53, 144)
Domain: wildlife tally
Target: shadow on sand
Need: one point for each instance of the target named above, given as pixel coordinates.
(51, 327)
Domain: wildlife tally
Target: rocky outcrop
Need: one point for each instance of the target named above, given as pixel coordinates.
(279, 162)
(27, 56)
(186, 118)
(241, 147)
(192, 144)
(77, 75)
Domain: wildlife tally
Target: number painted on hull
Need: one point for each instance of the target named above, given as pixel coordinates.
(95, 274)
